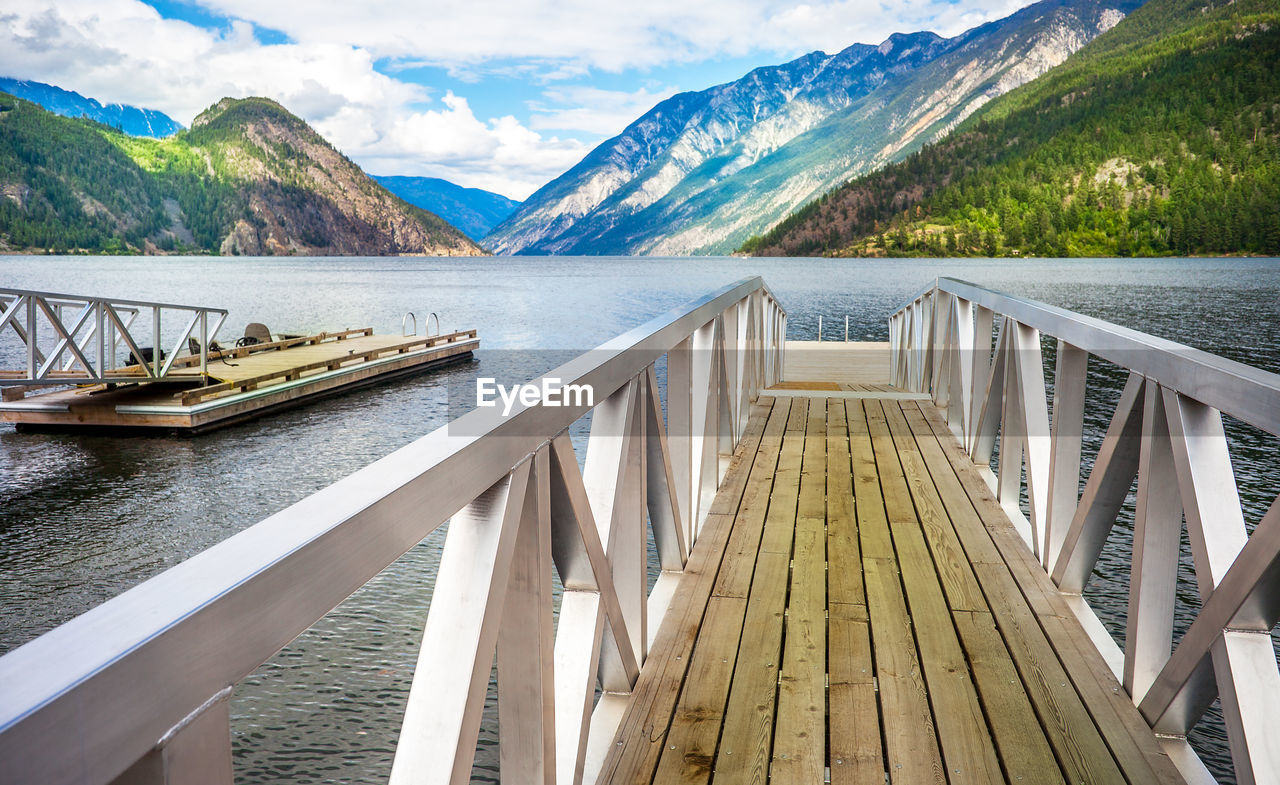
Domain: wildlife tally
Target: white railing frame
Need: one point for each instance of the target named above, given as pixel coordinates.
(1167, 432)
(137, 689)
(83, 350)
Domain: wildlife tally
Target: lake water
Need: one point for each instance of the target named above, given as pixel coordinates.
(83, 518)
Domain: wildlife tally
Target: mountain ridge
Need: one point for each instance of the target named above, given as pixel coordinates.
(703, 171)
(132, 120)
(248, 178)
(474, 211)
(1162, 137)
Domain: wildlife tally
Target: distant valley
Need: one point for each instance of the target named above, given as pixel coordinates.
(472, 210)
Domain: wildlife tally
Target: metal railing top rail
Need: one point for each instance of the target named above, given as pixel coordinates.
(1247, 393)
(80, 298)
(273, 580)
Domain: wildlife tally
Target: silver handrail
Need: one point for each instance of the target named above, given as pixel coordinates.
(1166, 432)
(404, 324)
(55, 346)
(141, 683)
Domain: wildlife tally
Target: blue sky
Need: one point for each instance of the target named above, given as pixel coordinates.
(491, 93)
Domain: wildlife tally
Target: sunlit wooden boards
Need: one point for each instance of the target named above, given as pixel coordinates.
(277, 379)
(862, 613)
(852, 362)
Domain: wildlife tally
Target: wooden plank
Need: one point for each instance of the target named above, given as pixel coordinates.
(958, 581)
(643, 728)
(1022, 746)
(799, 418)
(1076, 741)
(747, 738)
(294, 361)
(729, 495)
(1134, 745)
(803, 385)
(961, 725)
(911, 744)
(689, 753)
(844, 559)
(873, 527)
(780, 522)
(1020, 741)
(1132, 741)
(856, 756)
(800, 730)
(740, 558)
(813, 474)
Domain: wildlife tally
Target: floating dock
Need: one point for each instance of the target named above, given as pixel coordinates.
(241, 384)
(86, 369)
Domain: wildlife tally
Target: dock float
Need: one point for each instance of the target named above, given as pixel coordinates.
(191, 389)
(855, 584)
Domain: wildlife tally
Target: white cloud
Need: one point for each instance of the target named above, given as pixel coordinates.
(124, 51)
(605, 34)
(499, 155)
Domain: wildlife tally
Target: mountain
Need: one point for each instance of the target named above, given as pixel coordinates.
(247, 178)
(1160, 137)
(701, 172)
(130, 119)
(473, 210)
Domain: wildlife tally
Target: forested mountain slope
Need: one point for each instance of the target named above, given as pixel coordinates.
(248, 178)
(1162, 136)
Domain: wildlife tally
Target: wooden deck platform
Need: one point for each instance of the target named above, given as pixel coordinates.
(858, 609)
(240, 385)
(836, 362)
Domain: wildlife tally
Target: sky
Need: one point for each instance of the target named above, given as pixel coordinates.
(492, 94)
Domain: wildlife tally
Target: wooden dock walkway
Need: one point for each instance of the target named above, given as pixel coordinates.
(858, 605)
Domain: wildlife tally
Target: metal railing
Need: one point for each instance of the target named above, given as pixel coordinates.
(138, 687)
(75, 339)
(1167, 432)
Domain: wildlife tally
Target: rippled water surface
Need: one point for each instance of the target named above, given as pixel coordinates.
(83, 518)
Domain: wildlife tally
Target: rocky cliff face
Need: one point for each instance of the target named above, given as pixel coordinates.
(703, 171)
(304, 197)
